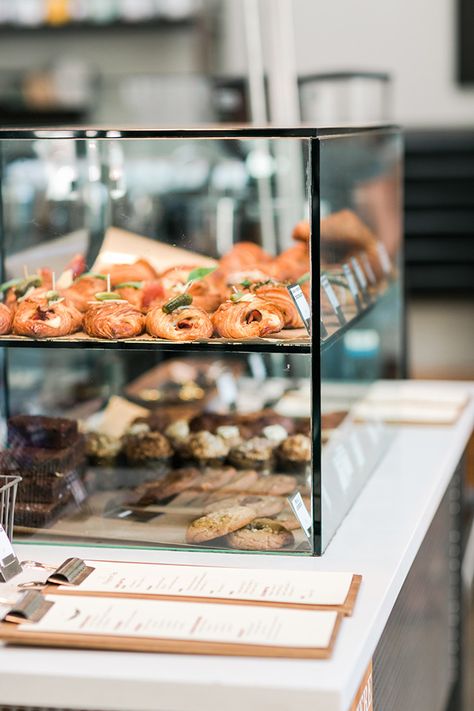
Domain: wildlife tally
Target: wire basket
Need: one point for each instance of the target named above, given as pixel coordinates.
(8, 489)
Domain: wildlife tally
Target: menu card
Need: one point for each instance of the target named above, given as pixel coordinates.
(191, 627)
(230, 585)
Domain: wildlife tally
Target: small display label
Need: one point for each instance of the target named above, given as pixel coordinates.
(351, 282)
(368, 269)
(384, 258)
(301, 304)
(301, 512)
(361, 278)
(357, 450)
(6, 549)
(227, 388)
(323, 331)
(332, 298)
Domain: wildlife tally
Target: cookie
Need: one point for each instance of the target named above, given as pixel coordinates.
(273, 485)
(241, 481)
(219, 523)
(262, 534)
(262, 505)
(173, 483)
(213, 479)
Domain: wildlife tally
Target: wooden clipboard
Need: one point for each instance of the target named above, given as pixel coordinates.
(15, 633)
(346, 608)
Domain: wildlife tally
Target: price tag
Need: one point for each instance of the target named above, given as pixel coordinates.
(6, 549)
(323, 333)
(361, 279)
(301, 304)
(384, 259)
(9, 563)
(333, 300)
(301, 512)
(351, 282)
(368, 269)
(78, 491)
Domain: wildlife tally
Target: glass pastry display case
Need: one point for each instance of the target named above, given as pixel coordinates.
(164, 378)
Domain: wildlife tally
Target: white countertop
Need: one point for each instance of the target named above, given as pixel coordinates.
(379, 539)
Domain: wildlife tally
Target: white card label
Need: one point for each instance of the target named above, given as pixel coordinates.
(301, 304)
(368, 268)
(384, 258)
(301, 512)
(6, 549)
(330, 293)
(343, 466)
(227, 388)
(351, 282)
(359, 274)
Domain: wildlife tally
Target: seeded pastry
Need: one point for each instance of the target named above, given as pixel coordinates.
(219, 523)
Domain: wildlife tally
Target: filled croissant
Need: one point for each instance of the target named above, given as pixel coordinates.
(206, 292)
(6, 320)
(39, 317)
(279, 295)
(83, 290)
(141, 270)
(186, 323)
(113, 320)
(249, 317)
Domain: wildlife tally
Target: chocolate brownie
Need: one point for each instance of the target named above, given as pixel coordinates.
(35, 461)
(39, 431)
(38, 515)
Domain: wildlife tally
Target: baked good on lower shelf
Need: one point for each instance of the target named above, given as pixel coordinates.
(262, 534)
(145, 448)
(205, 448)
(48, 489)
(255, 453)
(274, 485)
(101, 448)
(219, 523)
(262, 505)
(40, 431)
(294, 453)
(173, 483)
(38, 515)
(37, 461)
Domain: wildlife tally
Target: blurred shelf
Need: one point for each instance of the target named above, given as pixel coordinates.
(117, 26)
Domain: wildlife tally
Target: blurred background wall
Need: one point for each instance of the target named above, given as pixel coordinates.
(149, 62)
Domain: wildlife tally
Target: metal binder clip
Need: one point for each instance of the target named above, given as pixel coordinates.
(72, 572)
(31, 607)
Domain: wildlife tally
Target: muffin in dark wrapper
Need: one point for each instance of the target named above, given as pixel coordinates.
(205, 449)
(144, 448)
(294, 454)
(255, 453)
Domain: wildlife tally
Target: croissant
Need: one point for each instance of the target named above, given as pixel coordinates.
(113, 320)
(186, 323)
(250, 317)
(6, 320)
(141, 270)
(290, 264)
(206, 292)
(279, 295)
(83, 290)
(38, 317)
(242, 256)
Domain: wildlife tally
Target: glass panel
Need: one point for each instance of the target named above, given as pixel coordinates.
(361, 309)
(152, 321)
(163, 442)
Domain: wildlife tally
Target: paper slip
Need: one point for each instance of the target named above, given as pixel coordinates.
(262, 587)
